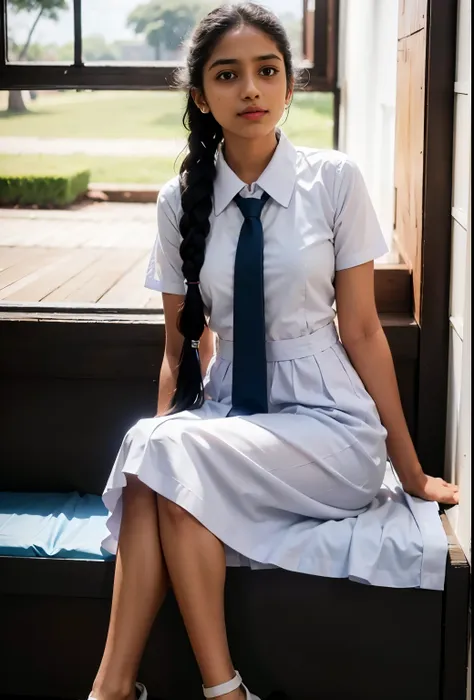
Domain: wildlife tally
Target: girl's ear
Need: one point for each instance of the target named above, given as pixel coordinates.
(199, 100)
(289, 93)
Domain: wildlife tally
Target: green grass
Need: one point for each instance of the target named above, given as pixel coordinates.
(145, 115)
(310, 121)
(152, 171)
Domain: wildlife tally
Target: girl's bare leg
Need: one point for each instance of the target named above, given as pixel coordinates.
(140, 586)
(196, 564)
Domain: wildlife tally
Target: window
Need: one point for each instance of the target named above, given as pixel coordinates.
(81, 68)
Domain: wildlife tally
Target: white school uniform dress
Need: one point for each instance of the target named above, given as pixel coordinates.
(267, 485)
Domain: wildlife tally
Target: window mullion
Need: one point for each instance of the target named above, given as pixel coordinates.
(321, 39)
(78, 33)
(3, 33)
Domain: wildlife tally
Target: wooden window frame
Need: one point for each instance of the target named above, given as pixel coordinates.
(320, 44)
(433, 363)
(423, 181)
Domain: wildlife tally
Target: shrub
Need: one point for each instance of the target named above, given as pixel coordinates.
(43, 190)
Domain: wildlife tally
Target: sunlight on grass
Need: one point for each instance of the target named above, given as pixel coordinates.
(146, 170)
(146, 115)
(131, 115)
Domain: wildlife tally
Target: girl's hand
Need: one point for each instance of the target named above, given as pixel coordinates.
(432, 488)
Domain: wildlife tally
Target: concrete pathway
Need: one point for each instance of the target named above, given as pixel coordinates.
(16, 145)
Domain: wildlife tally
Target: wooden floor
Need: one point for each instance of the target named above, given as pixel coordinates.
(92, 255)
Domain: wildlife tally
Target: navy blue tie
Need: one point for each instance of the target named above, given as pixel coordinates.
(249, 369)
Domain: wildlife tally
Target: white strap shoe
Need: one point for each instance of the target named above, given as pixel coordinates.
(228, 687)
(140, 689)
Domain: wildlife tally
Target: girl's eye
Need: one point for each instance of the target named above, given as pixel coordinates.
(225, 73)
(270, 68)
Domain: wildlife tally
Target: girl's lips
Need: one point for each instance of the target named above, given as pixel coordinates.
(253, 115)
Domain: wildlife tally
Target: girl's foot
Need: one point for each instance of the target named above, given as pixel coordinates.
(138, 692)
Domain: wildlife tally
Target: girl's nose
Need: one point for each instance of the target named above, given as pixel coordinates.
(249, 89)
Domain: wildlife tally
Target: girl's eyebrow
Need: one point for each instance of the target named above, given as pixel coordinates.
(233, 61)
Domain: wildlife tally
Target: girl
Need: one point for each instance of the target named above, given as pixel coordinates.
(285, 428)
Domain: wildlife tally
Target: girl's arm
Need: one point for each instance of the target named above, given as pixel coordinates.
(366, 345)
(172, 304)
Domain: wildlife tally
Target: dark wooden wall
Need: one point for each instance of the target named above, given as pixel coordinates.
(71, 387)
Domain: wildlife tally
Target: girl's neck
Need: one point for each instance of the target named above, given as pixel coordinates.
(248, 158)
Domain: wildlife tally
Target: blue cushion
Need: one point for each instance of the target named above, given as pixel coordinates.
(63, 525)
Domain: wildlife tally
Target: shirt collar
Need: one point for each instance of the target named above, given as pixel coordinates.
(278, 178)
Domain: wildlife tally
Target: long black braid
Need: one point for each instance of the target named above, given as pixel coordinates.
(197, 174)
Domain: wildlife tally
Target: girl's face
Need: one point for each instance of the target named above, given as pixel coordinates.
(245, 72)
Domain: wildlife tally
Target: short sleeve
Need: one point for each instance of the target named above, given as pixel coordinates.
(358, 237)
(164, 272)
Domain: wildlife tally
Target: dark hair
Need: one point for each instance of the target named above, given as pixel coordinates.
(197, 174)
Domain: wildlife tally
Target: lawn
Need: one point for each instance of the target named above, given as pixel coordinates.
(133, 115)
(142, 170)
(145, 115)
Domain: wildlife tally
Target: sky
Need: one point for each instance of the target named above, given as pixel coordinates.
(106, 17)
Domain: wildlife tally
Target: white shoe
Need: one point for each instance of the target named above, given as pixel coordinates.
(228, 687)
(141, 692)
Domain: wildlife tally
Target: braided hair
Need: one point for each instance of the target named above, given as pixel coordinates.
(196, 177)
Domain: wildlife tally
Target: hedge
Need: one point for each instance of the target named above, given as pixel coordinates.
(43, 190)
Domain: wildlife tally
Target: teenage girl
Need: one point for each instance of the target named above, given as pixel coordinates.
(226, 467)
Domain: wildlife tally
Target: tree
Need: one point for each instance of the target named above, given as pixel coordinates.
(165, 24)
(49, 9)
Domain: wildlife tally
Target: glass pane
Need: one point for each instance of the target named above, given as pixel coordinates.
(119, 30)
(137, 31)
(40, 35)
(150, 31)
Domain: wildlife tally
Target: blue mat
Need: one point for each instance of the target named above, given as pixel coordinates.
(62, 525)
